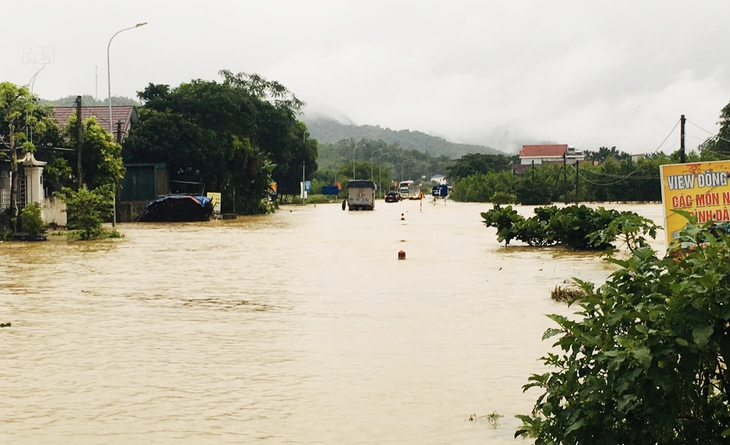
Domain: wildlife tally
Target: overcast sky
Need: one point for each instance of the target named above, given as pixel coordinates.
(498, 73)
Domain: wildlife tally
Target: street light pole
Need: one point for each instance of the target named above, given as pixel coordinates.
(353, 161)
(371, 162)
(109, 91)
(380, 172)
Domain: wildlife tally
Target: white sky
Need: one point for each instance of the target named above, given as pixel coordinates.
(499, 73)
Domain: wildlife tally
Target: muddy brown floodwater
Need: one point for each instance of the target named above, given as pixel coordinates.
(300, 327)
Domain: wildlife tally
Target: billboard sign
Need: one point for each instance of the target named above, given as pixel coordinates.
(215, 198)
(700, 188)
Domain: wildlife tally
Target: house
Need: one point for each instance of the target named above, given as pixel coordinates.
(542, 154)
(123, 117)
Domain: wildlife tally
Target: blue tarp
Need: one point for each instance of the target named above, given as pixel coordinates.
(202, 200)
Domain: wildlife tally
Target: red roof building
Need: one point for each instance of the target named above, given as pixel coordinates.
(123, 116)
(539, 154)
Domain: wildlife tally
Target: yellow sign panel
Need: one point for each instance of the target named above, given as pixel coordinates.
(700, 188)
(215, 199)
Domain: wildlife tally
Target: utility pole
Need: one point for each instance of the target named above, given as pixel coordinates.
(682, 156)
(303, 181)
(576, 181)
(565, 178)
(79, 141)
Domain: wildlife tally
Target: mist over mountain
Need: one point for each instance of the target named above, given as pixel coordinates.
(328, 129)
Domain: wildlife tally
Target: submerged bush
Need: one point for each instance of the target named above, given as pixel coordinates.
(503, 198)
(575, 227)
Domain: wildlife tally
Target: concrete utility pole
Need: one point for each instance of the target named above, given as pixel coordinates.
(576, 181)
(565, 178)
(682, 156)
(79, 141)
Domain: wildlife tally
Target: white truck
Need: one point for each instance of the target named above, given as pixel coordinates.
(361, 194)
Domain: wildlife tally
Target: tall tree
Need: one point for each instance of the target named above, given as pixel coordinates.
(473, 163)
(232, 136)
(20, 116)
(718, 146)
(101, 157)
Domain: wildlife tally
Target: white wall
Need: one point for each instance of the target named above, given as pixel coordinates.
(54, 211)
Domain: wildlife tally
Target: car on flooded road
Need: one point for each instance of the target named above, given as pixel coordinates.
(392, 196)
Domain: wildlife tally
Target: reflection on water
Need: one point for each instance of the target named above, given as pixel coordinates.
(297, 327)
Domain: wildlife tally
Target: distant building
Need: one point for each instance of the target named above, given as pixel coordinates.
(543, 154)
(439, 179)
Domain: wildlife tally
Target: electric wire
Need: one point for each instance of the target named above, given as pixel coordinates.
(665, 139)
(708, 132)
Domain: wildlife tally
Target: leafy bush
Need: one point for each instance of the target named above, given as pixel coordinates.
(503, 198)
(646, 361)
(506, 220)
(575, 227)
(31, 219)
(574, 224)
(86, 209)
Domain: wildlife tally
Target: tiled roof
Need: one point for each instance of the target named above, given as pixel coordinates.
(543, 150)
(127, 114)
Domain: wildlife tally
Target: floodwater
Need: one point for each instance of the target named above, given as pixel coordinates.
(300, 327)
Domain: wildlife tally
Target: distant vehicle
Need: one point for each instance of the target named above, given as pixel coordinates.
(361, 194)
(408, 189)
(392, 196)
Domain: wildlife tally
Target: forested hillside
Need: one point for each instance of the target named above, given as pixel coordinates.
(330, 131)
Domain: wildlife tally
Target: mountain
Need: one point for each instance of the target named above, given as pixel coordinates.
(329, 130)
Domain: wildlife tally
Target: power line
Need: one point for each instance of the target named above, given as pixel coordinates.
(708, 132)
(665, 139)
(606, 183)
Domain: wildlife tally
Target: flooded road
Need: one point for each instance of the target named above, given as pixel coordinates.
(293, 328)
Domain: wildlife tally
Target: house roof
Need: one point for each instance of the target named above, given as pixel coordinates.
(126, 114)
(543, 150)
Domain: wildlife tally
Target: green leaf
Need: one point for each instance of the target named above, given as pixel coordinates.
(551, 333)
(701, 335)
(643, 356)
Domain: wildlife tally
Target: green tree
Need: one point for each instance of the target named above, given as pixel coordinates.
(473, 163)
(232, 136)
(718, 147)
(605, 153)
(101, 157)
(645, 362)
(20, 116)
(537, 185)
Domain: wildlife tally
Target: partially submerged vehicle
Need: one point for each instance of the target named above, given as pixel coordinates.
(361, 194)
(177, 208)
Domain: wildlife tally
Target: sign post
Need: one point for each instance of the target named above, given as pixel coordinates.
(700, 188)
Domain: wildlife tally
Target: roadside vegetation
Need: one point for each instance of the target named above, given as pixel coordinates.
(646, 359)
(576, 227)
